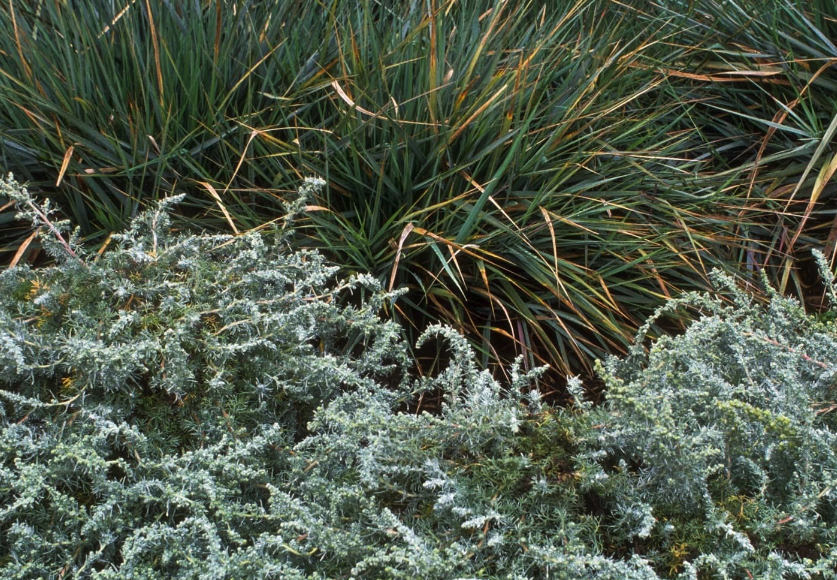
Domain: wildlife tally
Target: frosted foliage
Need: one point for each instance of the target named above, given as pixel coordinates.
(202, 407)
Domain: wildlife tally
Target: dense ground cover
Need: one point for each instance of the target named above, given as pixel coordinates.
(196, 407)
(541, 175)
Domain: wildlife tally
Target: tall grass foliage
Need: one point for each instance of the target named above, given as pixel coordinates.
(540, 176)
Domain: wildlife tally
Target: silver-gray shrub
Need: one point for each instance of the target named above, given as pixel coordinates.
(192, 406)
(726, 435)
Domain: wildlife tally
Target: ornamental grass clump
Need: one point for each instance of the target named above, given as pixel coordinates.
(540, 175)
(192, 406)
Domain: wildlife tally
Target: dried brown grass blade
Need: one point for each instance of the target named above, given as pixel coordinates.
(349, 101)
(19, 254)
(464, 249)
(825, 175)
(404, 233)
(549, 225)
(779, 118)
(740, 76)
(458, 269)
(434, 64)
(18, 43)
(829, 133)
(218, 21)
(477, 113)
(253, 134)
(64, 164)
(220, 203)
(116, 19)
(104, 246)
(155, 43)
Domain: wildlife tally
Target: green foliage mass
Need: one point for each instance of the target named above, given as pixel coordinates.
(194, 406)
(539, 174)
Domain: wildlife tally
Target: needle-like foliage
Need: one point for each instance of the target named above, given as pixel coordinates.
(196, 407)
